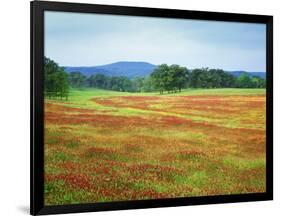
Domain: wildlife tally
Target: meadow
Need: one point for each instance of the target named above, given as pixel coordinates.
(103, 146)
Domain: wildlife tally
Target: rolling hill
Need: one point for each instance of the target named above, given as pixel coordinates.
(124, 68)
(133, 69)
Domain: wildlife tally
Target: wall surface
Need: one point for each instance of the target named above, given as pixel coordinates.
(14, 114)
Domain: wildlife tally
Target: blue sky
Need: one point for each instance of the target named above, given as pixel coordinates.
(76, 39)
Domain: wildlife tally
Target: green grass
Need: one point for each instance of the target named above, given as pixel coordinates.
(82, 96)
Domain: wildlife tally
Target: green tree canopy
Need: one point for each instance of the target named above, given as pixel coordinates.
(55, 80)
(77, 79)
(169, 78)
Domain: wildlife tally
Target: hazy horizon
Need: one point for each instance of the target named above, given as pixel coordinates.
(148, 63)
(89, 40)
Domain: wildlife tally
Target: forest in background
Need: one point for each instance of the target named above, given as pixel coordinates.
(171, 79)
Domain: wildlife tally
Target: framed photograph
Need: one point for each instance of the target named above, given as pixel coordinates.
(140, 107)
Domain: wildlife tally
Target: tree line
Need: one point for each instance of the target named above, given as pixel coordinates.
(167, 78)
(114, 83)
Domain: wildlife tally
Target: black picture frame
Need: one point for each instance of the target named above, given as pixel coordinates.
(37, 108)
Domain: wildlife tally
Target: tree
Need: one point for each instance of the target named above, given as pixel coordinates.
(179, 76)
(211, 78)
(63, 85)
(77, 79)
(227, 80)
(244, 81)
(148, 85)
(159, 77)
(126, 84)
(258, 82)
(55, 80)
(137, 84)
(116, 84)
(197, 78)
(169, 78)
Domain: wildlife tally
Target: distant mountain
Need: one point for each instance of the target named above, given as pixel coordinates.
(123, 68)
(239, 73)
(133, 69)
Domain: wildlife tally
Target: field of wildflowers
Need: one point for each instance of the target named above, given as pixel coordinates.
(103, 146)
